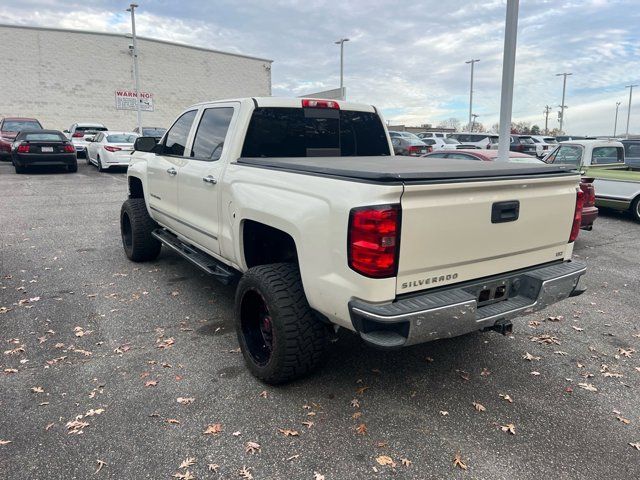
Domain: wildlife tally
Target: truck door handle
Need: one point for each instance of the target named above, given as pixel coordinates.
(172, 171)
(502, 212)
(209, 179)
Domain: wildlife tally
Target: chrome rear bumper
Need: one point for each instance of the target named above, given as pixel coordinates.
(465, 308)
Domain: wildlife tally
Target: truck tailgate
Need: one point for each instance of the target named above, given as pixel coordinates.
(448, 234)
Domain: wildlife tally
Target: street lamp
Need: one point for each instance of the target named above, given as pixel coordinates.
(341, 43)
(615, 123)
(472, 62)
(473, 124)
(630, 87)
(564, 88)
(136, 68)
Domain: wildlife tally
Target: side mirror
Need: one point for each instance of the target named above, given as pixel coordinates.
(145, 144)
(89, 139)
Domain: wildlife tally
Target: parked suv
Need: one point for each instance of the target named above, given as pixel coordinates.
(523, 144)
(79, 131)
(478, 140)
(9, 129)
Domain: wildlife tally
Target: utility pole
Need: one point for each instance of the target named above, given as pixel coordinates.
(508, 72)
(473, 123)
(472, 62)
(630, 87)
(136, 68)
(615, 122)
(341, 43)
(564, 89)
(547, 109)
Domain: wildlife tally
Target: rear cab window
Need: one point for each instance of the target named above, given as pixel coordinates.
(567, 154)
(607, 155)
(310, 132)
(212, 130)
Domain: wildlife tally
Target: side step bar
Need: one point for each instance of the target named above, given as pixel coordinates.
(204, 261)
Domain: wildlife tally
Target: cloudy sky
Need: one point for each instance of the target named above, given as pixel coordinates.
(408, 58)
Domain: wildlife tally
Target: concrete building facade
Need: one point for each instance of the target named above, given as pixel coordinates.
(65, 76)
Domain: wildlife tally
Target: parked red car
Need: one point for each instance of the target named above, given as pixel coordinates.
(589, 209)
(9, 128)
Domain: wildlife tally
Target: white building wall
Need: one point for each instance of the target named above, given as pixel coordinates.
(62, 76)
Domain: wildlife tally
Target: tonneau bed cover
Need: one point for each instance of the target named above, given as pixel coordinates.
(394, 169)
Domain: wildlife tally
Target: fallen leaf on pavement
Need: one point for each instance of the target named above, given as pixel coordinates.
(184, 476)
(623, 420)
(361, 429)
(626, 352)
(534, 373)
(213, 467)
(308, 424)
(245, 473)
(355, 403)
(509, 427)
(386, 460)
(252, 447)
(187, 462)
(172, 421)
(288, 433)
(37, 389)
(405, 462)
(264, 394)
(185, 401)
(444, 413)
(588, 387)
(635, 445)
(361, 390)
(506, 398)
(5, 442)
(479, 407)
(151, 383)
(100, 465)
(318, 476)
(528, 356)
(457, 461)
(213, 429)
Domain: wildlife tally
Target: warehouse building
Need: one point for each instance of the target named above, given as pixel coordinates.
(65, 76)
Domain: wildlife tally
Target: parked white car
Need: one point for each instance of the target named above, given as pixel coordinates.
(478, 140)
(443, 143)
(110, 149)
(544, 144)
(79, 132)
(432, 135)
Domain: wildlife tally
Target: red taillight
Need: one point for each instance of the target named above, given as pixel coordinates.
(311, 103)
(109, 148)
(69, 148)
(415, 149)
(577, 216)
(429, 148)
(589, 192)
(23, 148)
(374, 237)
(78, 135)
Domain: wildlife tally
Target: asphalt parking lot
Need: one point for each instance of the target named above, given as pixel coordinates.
(111, 369)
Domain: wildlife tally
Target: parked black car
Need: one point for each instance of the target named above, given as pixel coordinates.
(43, 147)
(405, 143)
(523, 144)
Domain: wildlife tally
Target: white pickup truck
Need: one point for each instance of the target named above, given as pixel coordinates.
(303, 201)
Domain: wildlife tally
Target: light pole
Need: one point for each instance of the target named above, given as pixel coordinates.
(136, 68)
(564, 89)
(508, 72)
(473, 123)
(630, 87)
(615, 122)
(472, 62)
(547, 109)
(341, 43)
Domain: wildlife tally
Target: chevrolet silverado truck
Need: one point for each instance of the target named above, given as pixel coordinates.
(302, 202)
(616, 183)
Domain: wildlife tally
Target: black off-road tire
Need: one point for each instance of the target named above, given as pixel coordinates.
(299, 338)
(635, 209)
(135, 227)
(73, 168)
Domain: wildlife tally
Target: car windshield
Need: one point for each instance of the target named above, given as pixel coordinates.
(450, 141)
(153, 132)
(314, 132)
(38, 137)
(122, 138)
(18, 125)
(527, 140)
(94, 128)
